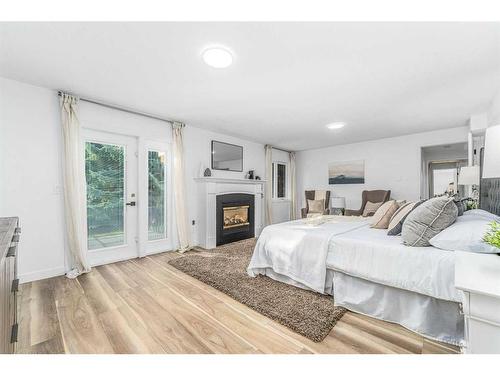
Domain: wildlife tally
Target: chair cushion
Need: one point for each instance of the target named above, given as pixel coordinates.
(316, 206)
(382, 217)
(371, 208)
(427, 220)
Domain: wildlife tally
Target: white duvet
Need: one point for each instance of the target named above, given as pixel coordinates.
(299, 249)
(372, 255)
(303, 250)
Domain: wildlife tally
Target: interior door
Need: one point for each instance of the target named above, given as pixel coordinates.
(111, 190)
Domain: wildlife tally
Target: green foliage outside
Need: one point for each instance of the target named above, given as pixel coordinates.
(104, 171)
(156, 195)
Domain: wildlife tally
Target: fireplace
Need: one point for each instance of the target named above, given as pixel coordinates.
(235, 217)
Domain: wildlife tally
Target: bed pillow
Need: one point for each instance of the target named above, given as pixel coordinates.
(462, 205)
(481, 213)
(316, 206)
(397, 220)
(427, 220)
(466, 234)
(371, 208)
(382, 216)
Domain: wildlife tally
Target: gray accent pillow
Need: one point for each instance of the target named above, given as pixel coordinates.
(427, 220)
(397, 220)
(461, 206)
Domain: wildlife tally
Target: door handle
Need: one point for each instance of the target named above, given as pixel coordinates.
(130, 204)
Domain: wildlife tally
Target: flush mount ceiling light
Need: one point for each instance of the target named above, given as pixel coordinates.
(217, 57)
(335, 125)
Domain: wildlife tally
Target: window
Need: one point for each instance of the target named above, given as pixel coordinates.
(105, 176)
(156, 196)
(279, 180)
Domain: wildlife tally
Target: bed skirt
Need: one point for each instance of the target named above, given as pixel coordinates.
(269, 272)
(430, 317)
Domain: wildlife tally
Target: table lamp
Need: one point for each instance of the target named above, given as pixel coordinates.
(338, 205)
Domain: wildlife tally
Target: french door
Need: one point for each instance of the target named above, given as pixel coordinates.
(127, 197)
(111, 179)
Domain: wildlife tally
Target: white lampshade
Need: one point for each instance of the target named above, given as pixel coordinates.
(491, 168)
(337, 202)
(469, 175)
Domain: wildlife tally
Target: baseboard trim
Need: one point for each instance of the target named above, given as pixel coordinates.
(42, 274)
(153, 252)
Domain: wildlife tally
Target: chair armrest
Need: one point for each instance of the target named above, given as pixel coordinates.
(303, 212)
(352, 213)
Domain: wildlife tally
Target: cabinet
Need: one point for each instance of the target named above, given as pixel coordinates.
(9, 239)
(478, 276)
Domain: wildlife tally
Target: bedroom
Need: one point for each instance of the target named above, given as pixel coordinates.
(250, 187)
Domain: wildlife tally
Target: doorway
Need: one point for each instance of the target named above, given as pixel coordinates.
(440, 168)
(127, 197)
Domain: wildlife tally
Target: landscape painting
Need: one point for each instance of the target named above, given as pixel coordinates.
(346, 172)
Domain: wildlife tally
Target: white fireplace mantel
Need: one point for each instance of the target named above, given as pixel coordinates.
(221, 180)
(208, 189)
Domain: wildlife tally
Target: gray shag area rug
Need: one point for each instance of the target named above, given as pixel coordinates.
(308, 313)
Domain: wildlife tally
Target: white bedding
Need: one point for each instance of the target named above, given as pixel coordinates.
(373, 255)
(298, 249)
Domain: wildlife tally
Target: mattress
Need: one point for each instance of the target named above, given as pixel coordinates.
(372, 255)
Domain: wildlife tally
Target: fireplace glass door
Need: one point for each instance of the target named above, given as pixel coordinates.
(236, 216)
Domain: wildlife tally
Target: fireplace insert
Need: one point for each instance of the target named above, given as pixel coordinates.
(235, 217)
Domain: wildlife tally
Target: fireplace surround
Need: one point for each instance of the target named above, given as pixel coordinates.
(209, 189)
(235, 217)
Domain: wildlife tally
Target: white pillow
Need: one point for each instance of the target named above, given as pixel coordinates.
(466, 234)
(478, 213)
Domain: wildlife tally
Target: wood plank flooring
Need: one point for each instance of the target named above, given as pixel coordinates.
(147, 306)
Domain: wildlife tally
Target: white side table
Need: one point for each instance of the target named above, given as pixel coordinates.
(478, 276)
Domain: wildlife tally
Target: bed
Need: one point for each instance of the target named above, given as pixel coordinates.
(367, 272)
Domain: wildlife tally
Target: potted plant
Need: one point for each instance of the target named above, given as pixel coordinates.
(492, 236)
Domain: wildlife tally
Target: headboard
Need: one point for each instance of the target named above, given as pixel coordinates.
(489, 192)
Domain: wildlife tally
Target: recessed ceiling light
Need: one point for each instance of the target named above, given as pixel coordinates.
(335, 125)
(217, 57)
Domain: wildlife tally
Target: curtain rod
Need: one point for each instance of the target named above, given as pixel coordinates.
(119, 108)
(280, 149)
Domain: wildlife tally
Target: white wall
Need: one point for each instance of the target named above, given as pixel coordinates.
(30, 185)
(30, 166)
(390, 163)
(494, 111)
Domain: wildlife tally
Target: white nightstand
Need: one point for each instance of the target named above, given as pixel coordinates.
(478, 276)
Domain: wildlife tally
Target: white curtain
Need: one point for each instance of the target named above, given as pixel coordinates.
(74, 187)
(269, 185)
(180, 189)
(293, 188)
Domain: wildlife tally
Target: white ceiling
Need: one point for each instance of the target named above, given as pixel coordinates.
(287, 81)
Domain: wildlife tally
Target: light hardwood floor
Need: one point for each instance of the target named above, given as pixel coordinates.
(147, 306)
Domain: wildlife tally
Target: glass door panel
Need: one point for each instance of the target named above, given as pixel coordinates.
(156, 196)
(105, 175)
(112, 204)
